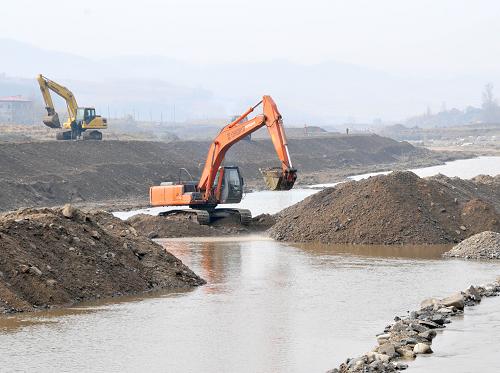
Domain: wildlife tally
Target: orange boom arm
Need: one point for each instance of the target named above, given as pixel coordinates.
(236, 131)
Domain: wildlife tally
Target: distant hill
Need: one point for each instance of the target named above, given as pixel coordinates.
(325, 93)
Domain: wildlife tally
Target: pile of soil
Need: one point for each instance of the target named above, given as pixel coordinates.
(399, 208)
(485, 245)
(57, 172)
(55, 257)
(184, 225)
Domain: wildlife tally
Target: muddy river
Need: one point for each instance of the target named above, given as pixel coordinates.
(268, 307)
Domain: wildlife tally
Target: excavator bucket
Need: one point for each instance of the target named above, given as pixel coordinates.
(277, 179)
(52, 121)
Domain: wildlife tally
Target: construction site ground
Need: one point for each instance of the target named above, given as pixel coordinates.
(117, 174)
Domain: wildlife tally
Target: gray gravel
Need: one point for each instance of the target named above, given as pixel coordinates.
(485, 245)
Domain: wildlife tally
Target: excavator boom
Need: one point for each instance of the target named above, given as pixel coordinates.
(237, 130)
(47, 85)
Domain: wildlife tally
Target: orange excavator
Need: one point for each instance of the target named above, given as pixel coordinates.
(224, 184)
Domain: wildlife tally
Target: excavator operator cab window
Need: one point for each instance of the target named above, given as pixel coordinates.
(80, 114)
(89, 114)
(232, 186)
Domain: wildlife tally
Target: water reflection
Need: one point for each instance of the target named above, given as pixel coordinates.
(383, 251)
(214, 262)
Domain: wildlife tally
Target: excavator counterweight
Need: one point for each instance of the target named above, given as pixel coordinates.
(220, 184)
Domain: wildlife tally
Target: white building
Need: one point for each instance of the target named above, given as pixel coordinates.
(16, 110)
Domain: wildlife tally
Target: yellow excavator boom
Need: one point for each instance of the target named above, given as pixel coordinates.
(47, 85)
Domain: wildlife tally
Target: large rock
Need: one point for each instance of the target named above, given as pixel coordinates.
(429, 302)
(455, 300)
(418, 328)
(422, 348)
(383, 338)
(68, 211)
(473, 293)
(406, 352)
(387, 349)
(429, 335)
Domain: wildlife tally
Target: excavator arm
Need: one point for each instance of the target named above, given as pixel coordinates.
(282, 178)
(47, 85)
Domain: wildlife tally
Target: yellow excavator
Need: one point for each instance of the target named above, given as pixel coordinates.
(82, 122)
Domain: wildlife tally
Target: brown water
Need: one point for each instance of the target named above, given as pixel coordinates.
(267, 307)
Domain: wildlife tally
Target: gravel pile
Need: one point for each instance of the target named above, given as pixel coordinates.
(485, 245)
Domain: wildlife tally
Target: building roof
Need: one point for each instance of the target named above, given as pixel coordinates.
(18, 98)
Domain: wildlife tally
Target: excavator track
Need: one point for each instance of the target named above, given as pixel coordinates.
(202, 216)
(205, 217)
(245, 216)
(92, 135)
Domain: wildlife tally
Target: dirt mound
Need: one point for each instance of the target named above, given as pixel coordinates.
(181, 225)
(485, 245)
(52, 257)
(54, 173)
(399, 208)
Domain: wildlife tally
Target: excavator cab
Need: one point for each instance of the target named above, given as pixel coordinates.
(85, 115)
(229, 189)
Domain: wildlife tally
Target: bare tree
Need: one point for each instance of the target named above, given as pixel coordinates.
(488, 97)
(491, 110)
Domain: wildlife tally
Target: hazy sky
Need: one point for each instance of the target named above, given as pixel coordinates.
(423, 35)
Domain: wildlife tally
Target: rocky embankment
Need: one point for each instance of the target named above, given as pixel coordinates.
(485, 245)
(413, 334)
(399, 208)
(181, 225)
(56, 257)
